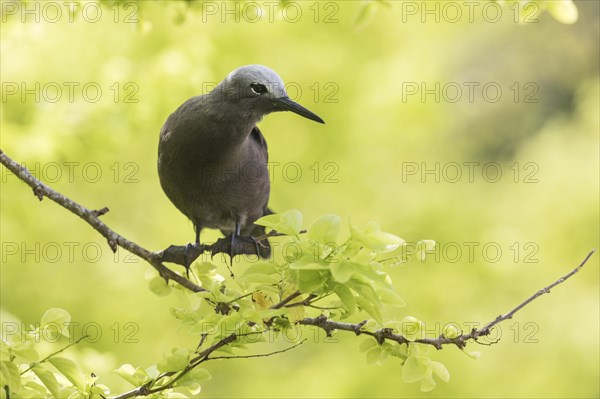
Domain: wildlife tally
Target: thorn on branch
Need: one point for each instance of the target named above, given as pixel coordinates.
(100, 212)
(357, 329)
(112, 243)
(38, 191)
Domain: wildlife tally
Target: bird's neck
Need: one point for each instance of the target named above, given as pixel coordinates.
(214, 131)
(232, 120)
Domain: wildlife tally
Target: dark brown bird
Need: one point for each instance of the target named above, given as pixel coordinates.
(212, 158)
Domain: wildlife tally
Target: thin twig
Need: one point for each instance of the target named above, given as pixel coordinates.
(312, 298)
(146, 389)
(238, 298)
(258, 354)
(286, 300)
(53, 354)
(274, 233)
(541, 292)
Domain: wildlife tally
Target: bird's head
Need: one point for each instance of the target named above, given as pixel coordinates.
(260, 91)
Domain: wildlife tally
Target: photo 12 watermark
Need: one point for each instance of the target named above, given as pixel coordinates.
(70, 92)
(470, 92)
(53, 12)
(125, 172)
(453, 12)
(318, 12)
(469, 172)
(89, 331)
(63, 252)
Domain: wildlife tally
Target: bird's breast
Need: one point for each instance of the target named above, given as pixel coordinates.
(211, 181)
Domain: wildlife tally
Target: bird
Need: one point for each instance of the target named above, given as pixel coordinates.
(213, 158)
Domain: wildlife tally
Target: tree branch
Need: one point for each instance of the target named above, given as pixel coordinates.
(384, 334)
(541, 292)
(146, 389)
(91, 217)
(202, 357)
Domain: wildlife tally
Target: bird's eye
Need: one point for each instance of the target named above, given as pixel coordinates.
(258, 88)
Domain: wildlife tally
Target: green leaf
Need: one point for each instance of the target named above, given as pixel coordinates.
(395, 349)
(261, 268)
(262, 273)
(440, 371)
(269, 221)
(292, 221)
(411, 327)
(364, 289)
(346, 296)
(308, 266)
(26, 351)
(190, 391)
(563, 10)
(427, 382)
(373, 355)
(48, 379)
(127, 372)
(159, 286)
(309, 281)
(367, 344)
(177, 361)
(325, 229)
(56, 321)
(40, 390)
(204, 268)
(196, 375)
(369, 308)
(27, 393)
(259, 279)
(100, 390)
(289, 222)
(342, 271)
(415, 368)
(9, 376)
(390, 298)
(451, 331)
(372, 237)
(69, 369)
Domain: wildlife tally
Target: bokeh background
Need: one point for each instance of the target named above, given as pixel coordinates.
(356, 64)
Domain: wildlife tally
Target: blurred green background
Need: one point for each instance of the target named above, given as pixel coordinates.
(527, 227)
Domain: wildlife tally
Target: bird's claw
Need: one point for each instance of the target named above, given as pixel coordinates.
(233, 245)
(183, 255)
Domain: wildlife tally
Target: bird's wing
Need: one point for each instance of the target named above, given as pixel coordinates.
(260, 140)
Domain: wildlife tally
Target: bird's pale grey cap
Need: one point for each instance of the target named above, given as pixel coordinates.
(257, 73)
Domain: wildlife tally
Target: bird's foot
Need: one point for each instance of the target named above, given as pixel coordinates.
(233, 245)
(263, 248)
(183, 255)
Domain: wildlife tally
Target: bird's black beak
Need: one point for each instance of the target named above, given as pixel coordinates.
(287, 104)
